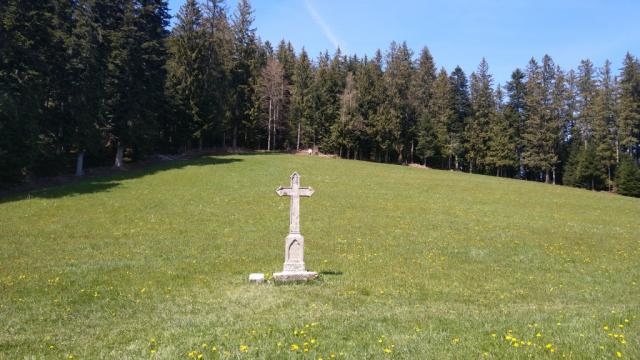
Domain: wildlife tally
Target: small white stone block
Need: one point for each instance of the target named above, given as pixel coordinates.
(256, 277)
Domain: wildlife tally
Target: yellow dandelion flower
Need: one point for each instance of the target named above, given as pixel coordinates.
(387, 350)
(538, 335)
(618, 354)
(244, 348)
(306, 349)
(621, 326)
(294, 347)
(552, 350)
(204, 345)
(548, 346)
(200, 356)
(606, 328)
(279, 344)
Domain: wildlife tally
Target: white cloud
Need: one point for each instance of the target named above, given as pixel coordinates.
(326, 30)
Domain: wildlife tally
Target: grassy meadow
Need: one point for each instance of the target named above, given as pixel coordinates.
(414, 264)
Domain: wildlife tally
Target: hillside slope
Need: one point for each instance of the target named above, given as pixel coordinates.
(414, 263)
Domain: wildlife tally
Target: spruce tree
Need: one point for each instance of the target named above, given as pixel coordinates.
(628, 177)
(461, 112)
(587, 90)
(501, 146)
(477, 126)
(187, 78)
(244, 73)
(604, 124)
(398, 81)
(301, 94)
(629, 107)
(514, 112)
(441, 107)
(422, 94)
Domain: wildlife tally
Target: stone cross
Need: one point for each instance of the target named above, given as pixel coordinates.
(294, 242)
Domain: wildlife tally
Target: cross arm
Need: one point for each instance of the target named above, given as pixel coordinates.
(283, 191)
(306, 191)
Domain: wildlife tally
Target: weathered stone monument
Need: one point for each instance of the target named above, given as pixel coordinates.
(294, 269)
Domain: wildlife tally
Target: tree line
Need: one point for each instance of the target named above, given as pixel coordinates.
(106, 81)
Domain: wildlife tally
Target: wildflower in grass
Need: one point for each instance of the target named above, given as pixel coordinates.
(214, 349)
(455, 340)
(294, 347)
(200, 356)
(279, 344)
(606, 328)
(244, 348)
(387, 350)
(621, 326)
(204, 345)
(618, 354)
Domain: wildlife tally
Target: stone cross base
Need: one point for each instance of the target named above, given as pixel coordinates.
(295, 276)
(294, 269)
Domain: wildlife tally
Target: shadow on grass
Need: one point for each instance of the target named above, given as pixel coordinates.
(106, 182)
(330, 272)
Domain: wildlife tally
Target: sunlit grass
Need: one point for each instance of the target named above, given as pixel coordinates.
(414, 263)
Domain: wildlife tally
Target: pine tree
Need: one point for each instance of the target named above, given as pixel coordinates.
(398, 80)
(543, 109)
(501, 150)
(587, 89)
(628, 177)
(629, 107)
(187, 78)
(346, 132)
(244, 70)
(301, 94)
(461, 112)
(422, 95)
(604, 123)
(23, 33)
(514, 112)
(477, 126)
(588, 172)
(441, 109)
(87, 70)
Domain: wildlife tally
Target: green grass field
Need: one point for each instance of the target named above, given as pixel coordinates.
(414, 264)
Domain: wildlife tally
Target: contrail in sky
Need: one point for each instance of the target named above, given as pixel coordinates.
(323, 25)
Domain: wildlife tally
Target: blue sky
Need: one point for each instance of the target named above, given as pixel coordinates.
(458, 32)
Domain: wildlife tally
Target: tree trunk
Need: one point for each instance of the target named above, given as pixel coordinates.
(449, 162)
(298, 137)
(411, 155)
(547, 178)
(269, 127)
(275, 120)
(553, 171)
(119, 155)
(200, 142)
(80, 164)
(235, 136)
